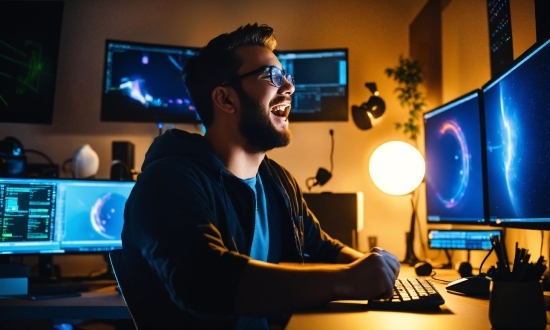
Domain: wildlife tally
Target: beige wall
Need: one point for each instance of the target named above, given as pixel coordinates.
(375, 32)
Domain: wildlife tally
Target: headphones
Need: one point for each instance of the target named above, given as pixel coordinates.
(11, 146)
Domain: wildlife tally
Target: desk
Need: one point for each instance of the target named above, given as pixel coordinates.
(102, 304)
(458, 312)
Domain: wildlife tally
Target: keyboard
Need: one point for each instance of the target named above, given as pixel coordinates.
(410, 293)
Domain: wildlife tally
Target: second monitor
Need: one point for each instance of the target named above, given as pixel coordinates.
(454, 162)
(321, 82)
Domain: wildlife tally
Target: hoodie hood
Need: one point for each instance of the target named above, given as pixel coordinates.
(175, 142)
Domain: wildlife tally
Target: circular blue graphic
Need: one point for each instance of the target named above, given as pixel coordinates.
(107, 215)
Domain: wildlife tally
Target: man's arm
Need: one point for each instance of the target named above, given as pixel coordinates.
(348, 255)
(268, 288)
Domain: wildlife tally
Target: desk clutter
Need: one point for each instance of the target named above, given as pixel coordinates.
(520, 270)
(516, 300)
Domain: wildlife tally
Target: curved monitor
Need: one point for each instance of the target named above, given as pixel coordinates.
(142, 83)
(53, 216)
(321, 84)
(454, 162)
(518, 148)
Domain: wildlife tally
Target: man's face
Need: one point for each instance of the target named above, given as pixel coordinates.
(264, 107)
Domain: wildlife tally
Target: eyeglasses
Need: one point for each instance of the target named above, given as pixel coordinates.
(275, 75)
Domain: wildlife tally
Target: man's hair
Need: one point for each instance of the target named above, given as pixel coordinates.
(216, 63)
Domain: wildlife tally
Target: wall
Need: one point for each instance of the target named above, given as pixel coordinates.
(375, 33)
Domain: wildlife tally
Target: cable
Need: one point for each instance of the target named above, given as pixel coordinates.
(331, 132)
(541, 241)
(33, 151)
(323, 175)
(65, 170)
(483, 261)
(432, 275)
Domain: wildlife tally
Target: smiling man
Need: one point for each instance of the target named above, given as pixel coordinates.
(211, 218)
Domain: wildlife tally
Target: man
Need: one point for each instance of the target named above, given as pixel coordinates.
(211, 217)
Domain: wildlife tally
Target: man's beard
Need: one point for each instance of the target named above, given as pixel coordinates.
(256, 126)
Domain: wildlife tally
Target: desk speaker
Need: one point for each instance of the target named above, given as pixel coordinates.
(123, 151)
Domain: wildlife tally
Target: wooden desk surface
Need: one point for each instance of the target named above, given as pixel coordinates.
(458, 312)
(105, 303)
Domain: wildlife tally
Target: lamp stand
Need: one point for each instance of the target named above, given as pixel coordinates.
(410, 256)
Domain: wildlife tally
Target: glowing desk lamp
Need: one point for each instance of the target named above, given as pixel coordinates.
(397, 168)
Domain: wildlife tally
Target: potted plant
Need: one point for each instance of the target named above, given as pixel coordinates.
(408, 75)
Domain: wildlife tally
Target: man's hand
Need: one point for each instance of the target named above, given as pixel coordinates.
(371, 276)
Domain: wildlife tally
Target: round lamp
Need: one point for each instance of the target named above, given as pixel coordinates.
(397, 168)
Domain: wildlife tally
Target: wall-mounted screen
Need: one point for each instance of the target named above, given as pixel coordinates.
(142, 83)
(321, 84)
(454, 162)
(30, 32)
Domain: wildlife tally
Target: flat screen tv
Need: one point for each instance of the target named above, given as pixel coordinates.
(30, 33)
(321, 84)
(142, 83)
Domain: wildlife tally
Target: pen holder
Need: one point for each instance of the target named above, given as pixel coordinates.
(517, 305)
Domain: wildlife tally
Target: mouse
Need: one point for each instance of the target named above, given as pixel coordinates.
(470, 286)
(423, 268)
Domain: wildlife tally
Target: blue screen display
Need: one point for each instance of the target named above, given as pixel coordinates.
(142, 83)
(518, 141)
(454, 165)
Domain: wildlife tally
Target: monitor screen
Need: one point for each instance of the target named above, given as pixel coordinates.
(461, 239)
(142, 83)
(321, 84)
(454, 162)
(518, 135)
(30, 32)
(61, 215)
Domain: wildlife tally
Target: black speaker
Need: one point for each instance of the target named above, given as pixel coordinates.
(123, 151)
(122, 166)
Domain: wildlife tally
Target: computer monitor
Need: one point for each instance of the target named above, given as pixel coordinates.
(518, 135)
(455, 239)
(30, 32)
(142, 83)
(321, 84)
(55, 216)
(454, 162)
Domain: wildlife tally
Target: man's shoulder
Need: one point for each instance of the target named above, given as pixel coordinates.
(176, 167)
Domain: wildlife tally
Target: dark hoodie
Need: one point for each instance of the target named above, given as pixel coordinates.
(188, 228)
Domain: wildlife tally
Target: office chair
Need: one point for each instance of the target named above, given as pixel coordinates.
(115, 257)
(149, 309)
